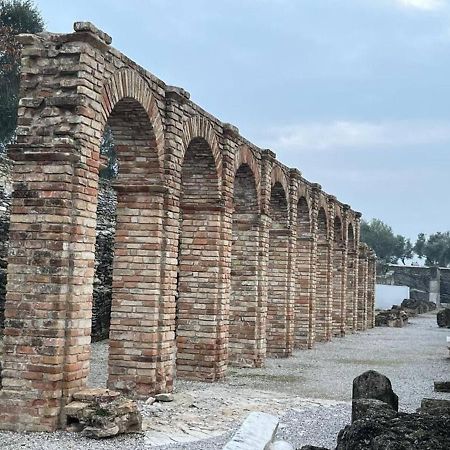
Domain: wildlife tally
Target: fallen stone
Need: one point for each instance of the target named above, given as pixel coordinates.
(150, 401)
(257, 431)
(442, 386)
(443, 318)
(165, 397)
(372, 385)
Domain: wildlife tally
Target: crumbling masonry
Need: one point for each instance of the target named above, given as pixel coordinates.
(223, 256)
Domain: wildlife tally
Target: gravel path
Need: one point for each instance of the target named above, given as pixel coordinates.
(310, 392)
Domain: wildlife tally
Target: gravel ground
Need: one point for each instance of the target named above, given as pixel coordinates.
(310, 392)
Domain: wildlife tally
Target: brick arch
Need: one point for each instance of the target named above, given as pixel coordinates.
(278, 176)
(128, 84)
(199, 127)
(245, 156)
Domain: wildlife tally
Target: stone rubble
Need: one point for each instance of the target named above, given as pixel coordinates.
(101, 413)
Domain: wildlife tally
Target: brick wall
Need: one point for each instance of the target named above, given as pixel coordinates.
(217, 259)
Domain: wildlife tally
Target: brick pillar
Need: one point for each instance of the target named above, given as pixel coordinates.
(362, 288)
(339, 288)
(203, 303)
(246, 340)
(314, 207)
(356, 270)
(48, 301)
(304, 301)
(52, 236)
(371, 289)
(141, 349)
(324, 288)
(351, 288)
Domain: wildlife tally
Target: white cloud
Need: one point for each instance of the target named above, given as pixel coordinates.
(428, 5)
(338, 135)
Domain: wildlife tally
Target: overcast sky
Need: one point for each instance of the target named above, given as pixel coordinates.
(354, 93)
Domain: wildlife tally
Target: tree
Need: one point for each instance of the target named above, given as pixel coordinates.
(16, 17)
(435, 249)
(379, 236)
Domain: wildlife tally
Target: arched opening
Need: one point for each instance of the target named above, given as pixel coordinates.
(323, 281)
(304, 305)
(338, 300)
(278, 314)
(245, 339)
(137, 363)
(351, 281)
(201, 324)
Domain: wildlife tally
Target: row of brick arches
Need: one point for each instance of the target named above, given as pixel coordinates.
(223, 256)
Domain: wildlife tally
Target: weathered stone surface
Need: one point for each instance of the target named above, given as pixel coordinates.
(443, 318)
(368, 407)
(401, 432)
(442, 386)
(372, 385)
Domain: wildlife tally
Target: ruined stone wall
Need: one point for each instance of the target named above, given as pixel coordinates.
(425, 283)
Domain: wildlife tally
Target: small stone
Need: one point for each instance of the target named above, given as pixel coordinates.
(164, 397)
(150, 401)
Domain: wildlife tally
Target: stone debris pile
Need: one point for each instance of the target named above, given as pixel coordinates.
(394, 317)
(101, 413)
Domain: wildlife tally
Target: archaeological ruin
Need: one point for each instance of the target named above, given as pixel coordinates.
(222, 255)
